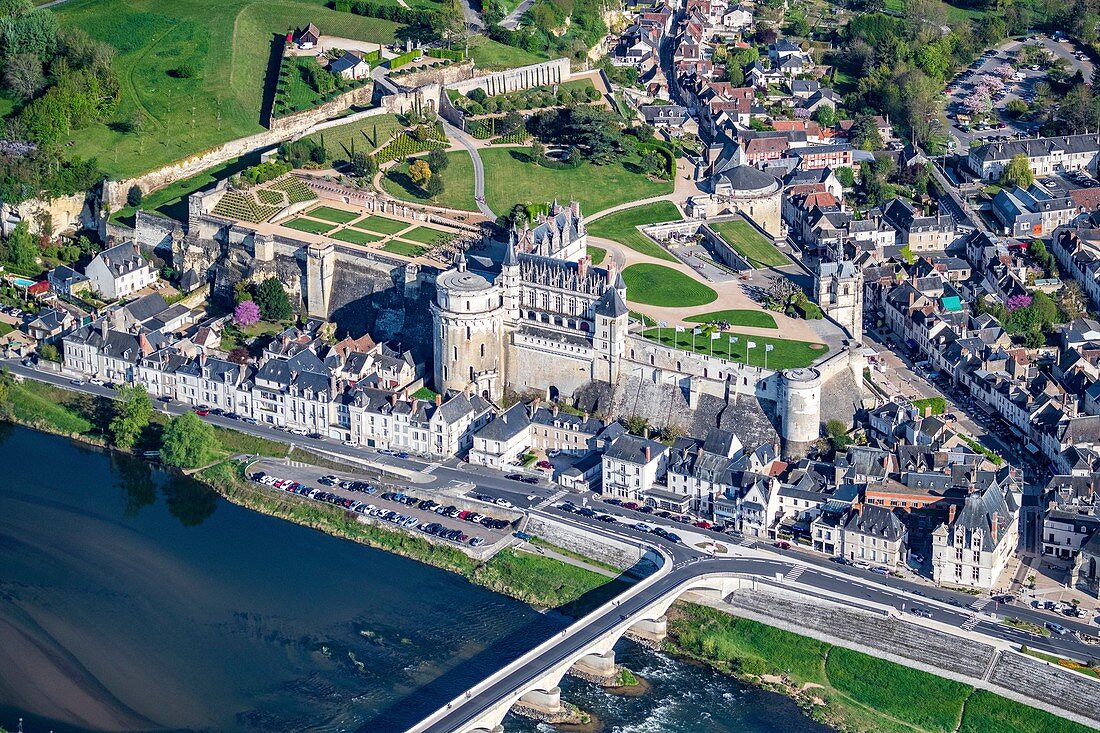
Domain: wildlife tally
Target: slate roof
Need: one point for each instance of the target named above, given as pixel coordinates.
(631, 449)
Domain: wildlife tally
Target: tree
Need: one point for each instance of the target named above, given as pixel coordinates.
(246, 313)
(434, 187)
(864, 133)
(420, 172)
(437, 160)
(188, 442)
(826, 116)
(22, 250)
(273, 301)
(137, 121)
(23, 75)
(133, 196)
(837, 433)
(1072, 300)
(183, 71)
(846, 176)
(653, 163)
(133, 408)
(238, 355)
(362, 165)
(1017, 172)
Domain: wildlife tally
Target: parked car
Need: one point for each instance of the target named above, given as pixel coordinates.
(781, 544)
(1056, 628)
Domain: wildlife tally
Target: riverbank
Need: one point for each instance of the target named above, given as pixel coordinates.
(535, 579)
(847, 690)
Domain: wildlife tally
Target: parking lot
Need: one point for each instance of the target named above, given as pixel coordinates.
(418, 511)
(1022, 87)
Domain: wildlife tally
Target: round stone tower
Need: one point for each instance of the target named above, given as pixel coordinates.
(799, 410)
(467, 319)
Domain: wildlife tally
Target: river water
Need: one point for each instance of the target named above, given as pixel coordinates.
(134, 600)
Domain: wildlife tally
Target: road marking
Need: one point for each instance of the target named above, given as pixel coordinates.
(431, 467)
(748, 542)
(971, 622)
(551, 499)
(796, 571)
(980, 603)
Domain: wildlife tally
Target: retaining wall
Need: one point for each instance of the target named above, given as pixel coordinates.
(622, 555)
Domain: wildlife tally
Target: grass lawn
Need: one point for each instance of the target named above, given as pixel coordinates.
(307, 225)
(365, 135)
(989, 713)
(785, 354)
(659, 285)
(538, 579)
(355, 236)
(336, 216)
(407, 249)
(489, 55)
(620, 227)
(458, 181)
(381, 224)
(750, 244)
(510, 180)
(596, 253)
(736, 317)
(228, 44)
(424, 235)
(171, 201)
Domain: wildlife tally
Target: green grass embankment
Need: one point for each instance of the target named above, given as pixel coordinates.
(848, 690)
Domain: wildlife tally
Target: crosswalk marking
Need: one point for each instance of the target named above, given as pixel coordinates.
(980, 603)
(552, 499)
(795, 572)
(748, 542)
(971, 622)
(431, 467)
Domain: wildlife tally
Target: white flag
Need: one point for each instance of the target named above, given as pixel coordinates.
(662, 324)
(733, 339)
(679, 329)
(750, 345)
(696, 331)
(769, 347)
(714, 336)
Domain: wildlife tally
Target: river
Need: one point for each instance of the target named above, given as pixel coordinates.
(132, 599)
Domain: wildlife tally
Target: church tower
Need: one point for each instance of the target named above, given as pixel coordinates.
(838, 289)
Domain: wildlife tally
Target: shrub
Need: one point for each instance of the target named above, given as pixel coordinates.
(133, 196)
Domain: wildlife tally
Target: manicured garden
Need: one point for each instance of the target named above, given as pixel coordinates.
(785, 353)
(362, 136)
(336, 216)
(425, 235)
(458, 181)
(861, 692)
(622, 226)
(650, 284)
(381, 224)
(736, 317)
(225, 45)
(510, 179)
(311, 226)
(750, 244)
(405, 249)
(354, 236)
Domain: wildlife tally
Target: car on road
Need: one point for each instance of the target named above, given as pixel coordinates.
(164, 398)
(529, 480)
(96, 381)
(673, 537)
(920, 612)
(1056, 628)
(202, 413)
(514, 477)
(840, 560)
(781, 545)
(881, 570)
(77, 382)
(503, 503)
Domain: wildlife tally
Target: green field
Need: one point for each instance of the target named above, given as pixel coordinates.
(424, 235)
(861, 692)
(336, 216)
(490, 55)
(307, 225)
(621, 227)
(228, 44)
(510, 180)
(363, 136)
(458, 181)
(736, 317)
(785, 354)
(408, 249)
(659, 285)
(171, 201)
(355, 236)
(381, 225)
(596, 253)
(750, 244)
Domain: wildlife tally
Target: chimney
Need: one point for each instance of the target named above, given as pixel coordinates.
(438, 399)
(996, 529)
(699, 450)
(647, 454)
(405, 394)
(393, 399)
(332, 385)
(582, 266)
(555, 410)
(585, 418)
(645, 432)
(103, 327)
(951, 514)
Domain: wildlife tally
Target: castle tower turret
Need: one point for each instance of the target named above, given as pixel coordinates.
(510, 279)
(799, 410)
(467, 317)
(609, 341)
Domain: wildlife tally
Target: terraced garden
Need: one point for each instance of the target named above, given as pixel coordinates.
(243, 207)
(425, 235)
(406, 249)
(354, 236)
(381, 224)
(336, 216)
(750, 244)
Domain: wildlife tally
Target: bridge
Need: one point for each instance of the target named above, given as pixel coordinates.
(588, 644)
